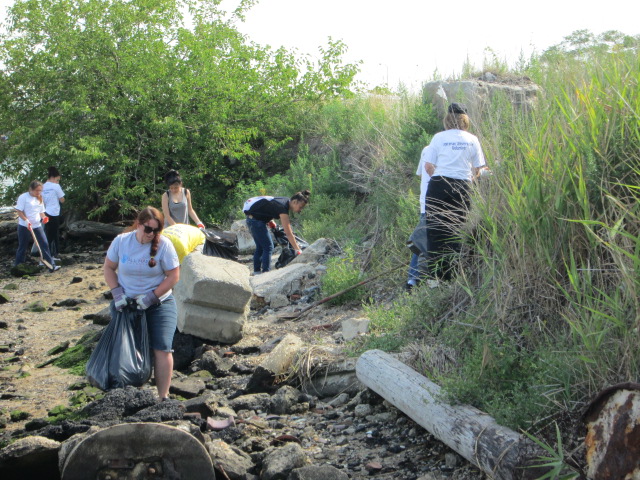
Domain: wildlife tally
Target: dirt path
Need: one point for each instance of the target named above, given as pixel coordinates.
(28, 336)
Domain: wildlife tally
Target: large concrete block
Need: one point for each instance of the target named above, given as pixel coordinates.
(316, 252)
(213, 297)
(285, 281)
(213, 282)
(246, 244)
(477, 95)
(211, 323)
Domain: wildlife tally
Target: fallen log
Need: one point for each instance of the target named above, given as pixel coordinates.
(498, 451)
(87, 228)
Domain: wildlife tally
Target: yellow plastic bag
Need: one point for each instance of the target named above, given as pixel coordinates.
(185, 238)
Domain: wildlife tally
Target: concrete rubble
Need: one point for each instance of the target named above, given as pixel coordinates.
(212, 297)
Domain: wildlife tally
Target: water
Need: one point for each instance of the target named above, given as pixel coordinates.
(4, 184)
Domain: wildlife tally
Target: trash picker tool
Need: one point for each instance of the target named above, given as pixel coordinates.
(35, 241)
(298, 314)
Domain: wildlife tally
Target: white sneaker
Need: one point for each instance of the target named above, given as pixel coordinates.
(56, 259)
(40, 264)
(55, 268)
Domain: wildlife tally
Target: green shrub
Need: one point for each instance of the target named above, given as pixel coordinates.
(334, 217)
(410, 318)
(343, 272)
(18, 415)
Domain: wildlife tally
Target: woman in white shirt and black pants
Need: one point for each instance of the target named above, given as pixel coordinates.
(453, 160)
(53, 196)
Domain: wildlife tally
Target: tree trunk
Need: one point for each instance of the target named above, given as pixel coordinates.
(498, 451)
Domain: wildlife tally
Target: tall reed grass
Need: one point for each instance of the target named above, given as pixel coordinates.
(545, 309)
(555, 236)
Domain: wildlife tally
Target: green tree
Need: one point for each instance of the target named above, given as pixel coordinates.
(117, 92)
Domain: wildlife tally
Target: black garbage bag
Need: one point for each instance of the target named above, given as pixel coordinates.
(285, 257)
(288, 253)
(219, 243)
(122, 356)
(417, 242)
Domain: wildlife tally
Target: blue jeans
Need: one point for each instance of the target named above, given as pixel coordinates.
(24, 239)
(162, 320)
(264, 245)
(414, 270)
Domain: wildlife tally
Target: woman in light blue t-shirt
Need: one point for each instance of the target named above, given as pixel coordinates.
(142, 267)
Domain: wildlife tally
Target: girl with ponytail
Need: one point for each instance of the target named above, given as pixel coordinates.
(30, 208)
(260, 212)
(142, 267)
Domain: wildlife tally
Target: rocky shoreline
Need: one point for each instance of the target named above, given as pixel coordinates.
(296, 429)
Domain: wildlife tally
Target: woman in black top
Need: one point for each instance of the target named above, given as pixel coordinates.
(260, 212)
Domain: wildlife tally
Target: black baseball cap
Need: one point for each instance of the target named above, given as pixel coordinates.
(458, 108)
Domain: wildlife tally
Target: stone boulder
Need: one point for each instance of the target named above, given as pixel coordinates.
(30, 457)
(246, 244)
(229, 459)
(477, 95)
(317, 251)
(279, 462)
(291, 279)
(315, 472)
(213, 297)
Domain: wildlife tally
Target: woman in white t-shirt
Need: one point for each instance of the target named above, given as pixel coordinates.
(142, 266)
(453, 160)
(53, 196)
(30, 208)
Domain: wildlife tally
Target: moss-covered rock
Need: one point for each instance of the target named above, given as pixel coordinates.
(59, 348)
(75, 358)
(18, 415)
(78, 385)
(58, 410)
(4, 298)
(36, 307)
(11, 286)
(60, 413)
(24, 270)
(36, 424)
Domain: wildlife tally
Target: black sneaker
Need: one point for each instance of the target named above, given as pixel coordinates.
(408, 286)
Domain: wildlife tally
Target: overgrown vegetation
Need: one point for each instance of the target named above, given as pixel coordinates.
(546, 301)
(116, 93)
(342, 272)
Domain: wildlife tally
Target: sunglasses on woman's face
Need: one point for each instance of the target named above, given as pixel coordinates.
(148, 229)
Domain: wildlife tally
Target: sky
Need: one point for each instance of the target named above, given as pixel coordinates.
(408, 40)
